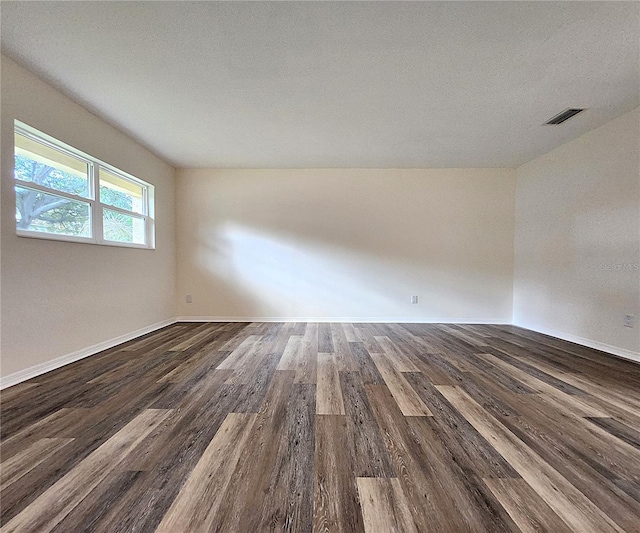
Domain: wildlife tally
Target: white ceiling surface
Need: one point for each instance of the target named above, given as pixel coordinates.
(337, 84)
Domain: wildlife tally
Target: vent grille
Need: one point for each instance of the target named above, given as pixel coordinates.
(564, 116)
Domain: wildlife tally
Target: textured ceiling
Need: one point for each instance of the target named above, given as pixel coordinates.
(336, 84)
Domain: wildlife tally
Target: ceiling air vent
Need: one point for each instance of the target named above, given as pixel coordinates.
(564, 116)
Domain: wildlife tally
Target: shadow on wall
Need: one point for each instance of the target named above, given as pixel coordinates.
(248, 272)
(578, 273)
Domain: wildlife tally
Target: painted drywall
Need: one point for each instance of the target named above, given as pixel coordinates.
(351, 244)
(577, 243)
(61, 297)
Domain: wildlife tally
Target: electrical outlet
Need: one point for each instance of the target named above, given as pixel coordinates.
(189, 299)
(628, 321)
(414, 299)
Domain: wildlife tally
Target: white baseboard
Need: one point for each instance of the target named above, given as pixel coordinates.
(357, 319)
(596, 345)
(32, 372)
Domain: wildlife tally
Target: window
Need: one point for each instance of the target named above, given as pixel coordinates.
(64, 194)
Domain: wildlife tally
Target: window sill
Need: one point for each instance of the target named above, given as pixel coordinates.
(79, 240)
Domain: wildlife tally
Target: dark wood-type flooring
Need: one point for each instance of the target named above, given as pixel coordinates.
(326, 427)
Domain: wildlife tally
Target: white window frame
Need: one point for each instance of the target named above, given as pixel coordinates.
(96, 207)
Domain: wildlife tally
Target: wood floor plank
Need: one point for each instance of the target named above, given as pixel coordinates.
(443, 493)
(42, 402)
(172, 335)
(201, 356)
(190, 391)
(170, 457)
(472, 340)
(289, 359)
(498, 375)
(431, 370)
(349, 332)
(384, 506)
(16, 392)
(236, 339)
(307, 362)
(29, 487)
(367, 339)
(299, 328)
(298, 427)
(329, 394)
(342, 349)
(629, 487)
(418, 344)
(253, 360)
(463, 441)
(244, 350)
(209, 479)
(617, 429)
(89, 432)
(369, 454)
(246, 497)
(252, 394)
(54, 425)
(399, 359)
(279, 343)
(301, 356)
(142, 506)
(590, 470)
(57, 502)
(289, 502)
(325, 339)
(86, 516)
(524, 505)
(571, 505)
(530, 372)
(584, 452)
(610, 396)
(574, 404)
(19, 464)
(409, 402)
(336, 501)
(311, 333)
(365, 365)
(205, 335)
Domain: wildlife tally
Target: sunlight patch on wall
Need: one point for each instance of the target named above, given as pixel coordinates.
(290, 277)
(285, 276)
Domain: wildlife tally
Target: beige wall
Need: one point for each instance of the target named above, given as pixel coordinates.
(336, 244)
(346, 244)
(60, 297)
(577, 245)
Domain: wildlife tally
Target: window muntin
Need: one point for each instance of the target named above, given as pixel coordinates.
(49, 213)
(64, 194)
(42, 164)
(122, 227)
(118, 191)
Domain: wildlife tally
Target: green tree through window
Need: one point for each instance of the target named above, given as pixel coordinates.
(46, 212)
(65, 194)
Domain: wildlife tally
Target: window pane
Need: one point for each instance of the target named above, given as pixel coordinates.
(120, 227)
(120, 192)
(38, 163)
(48, 213)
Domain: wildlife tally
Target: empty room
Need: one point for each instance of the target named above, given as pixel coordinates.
(324, 267)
